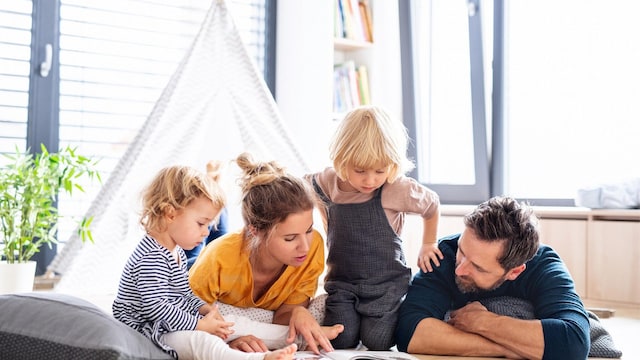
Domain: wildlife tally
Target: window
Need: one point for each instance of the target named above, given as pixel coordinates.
(110, 64)
(448, 82)
(562, 82)
(572, 88)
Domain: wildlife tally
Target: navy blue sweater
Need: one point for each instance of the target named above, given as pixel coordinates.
(545, 283)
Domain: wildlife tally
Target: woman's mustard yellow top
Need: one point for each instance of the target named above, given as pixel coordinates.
(223, 273)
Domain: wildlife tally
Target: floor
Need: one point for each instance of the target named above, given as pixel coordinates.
(624, 327)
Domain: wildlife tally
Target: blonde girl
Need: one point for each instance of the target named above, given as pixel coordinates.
(154, 297)
(367, 196)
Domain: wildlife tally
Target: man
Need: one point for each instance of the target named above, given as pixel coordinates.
(497, 255)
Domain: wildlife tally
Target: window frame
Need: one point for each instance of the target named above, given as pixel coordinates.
(499, 121)
(449, 193)
(43, 110)
(489, 159)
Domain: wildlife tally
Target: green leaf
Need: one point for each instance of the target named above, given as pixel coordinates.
(29, 185)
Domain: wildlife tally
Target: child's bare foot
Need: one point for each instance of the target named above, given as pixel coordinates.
(286, 353)
(332, 332)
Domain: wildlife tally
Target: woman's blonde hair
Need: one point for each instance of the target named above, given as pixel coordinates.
(175, 187)
(368, 138)
(269, 196)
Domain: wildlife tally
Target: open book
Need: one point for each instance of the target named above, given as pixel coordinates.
(354, 355)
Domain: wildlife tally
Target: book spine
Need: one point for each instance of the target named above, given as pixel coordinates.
(367, 23)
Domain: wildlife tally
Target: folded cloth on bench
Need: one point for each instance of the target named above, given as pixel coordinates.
(616, 195)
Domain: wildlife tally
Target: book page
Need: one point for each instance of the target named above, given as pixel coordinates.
(354, 355)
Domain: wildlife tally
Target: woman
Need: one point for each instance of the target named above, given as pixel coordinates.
(274, 262)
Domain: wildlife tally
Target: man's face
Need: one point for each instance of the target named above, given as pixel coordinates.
(477, 266)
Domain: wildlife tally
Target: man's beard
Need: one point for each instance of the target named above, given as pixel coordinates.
(471, 287)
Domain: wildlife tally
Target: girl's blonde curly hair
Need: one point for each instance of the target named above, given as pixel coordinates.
(176, 187)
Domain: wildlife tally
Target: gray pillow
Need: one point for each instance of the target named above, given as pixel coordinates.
(59, 326)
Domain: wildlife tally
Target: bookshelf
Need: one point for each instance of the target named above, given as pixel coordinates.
(352, 44)
(345, 45)
(306, 53)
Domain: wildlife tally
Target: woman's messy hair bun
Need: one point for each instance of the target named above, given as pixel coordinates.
(255, 173)
(270, 195)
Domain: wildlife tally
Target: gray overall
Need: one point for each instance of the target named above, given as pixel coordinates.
(367, 276)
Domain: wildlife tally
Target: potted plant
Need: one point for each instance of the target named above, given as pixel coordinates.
(29, 185)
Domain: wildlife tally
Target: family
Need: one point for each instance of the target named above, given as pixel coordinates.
(253, 293)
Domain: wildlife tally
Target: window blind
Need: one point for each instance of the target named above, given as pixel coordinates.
(115, 59)
(15, 54)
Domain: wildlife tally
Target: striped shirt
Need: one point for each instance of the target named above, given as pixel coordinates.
(154, 296)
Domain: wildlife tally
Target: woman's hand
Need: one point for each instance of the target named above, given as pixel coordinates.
(248, 343)
(303, 323)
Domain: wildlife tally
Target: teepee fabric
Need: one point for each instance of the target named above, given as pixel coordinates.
(215, 106)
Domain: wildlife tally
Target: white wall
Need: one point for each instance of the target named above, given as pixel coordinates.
(304, 58)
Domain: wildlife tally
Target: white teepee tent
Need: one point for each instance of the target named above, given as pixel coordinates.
(215, 106)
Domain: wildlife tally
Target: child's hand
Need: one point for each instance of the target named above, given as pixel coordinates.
(429, 253)
(216, 312)
(205, 309)
(213, 323)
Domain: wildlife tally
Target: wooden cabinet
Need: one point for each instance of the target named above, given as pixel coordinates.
(412, 235)
(450, 225)
(613, 266)
(569, 239)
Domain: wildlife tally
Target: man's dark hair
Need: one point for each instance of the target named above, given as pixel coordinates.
(514, 224)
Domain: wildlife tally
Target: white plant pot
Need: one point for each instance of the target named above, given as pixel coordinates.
(17, 277)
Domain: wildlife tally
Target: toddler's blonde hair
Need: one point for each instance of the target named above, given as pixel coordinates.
(368, 138)
(176, 187)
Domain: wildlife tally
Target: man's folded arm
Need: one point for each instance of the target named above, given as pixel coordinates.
(436, 337)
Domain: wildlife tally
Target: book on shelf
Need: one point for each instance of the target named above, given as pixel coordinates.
(338, 20)
(354, 355)
(350, 23)
(358, 24)
(363, 85)
(351, 86)
(347, 19)
(343, 100)
(367, 22)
